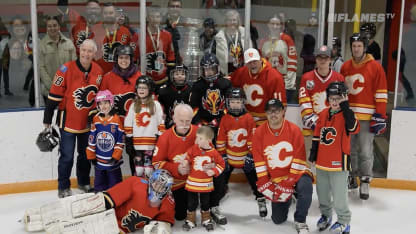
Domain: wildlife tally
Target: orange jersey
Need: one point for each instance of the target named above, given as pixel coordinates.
(82, 31)
(260, 88)
(312, 93)
(133, 210)
(367, 87)
(279, 155)
(124, 91)
(334, 141)
(75, 91)
(234, 138)
(171, 150)
(198, 181)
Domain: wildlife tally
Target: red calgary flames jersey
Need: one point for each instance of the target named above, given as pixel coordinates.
(334, 141)
(234, 138)
(312, 93)
(279, 154)
(198, 181)
(260, 88)
(171, 150)
(133, 210)
(124, 92)
(367, 87)
(75, 91)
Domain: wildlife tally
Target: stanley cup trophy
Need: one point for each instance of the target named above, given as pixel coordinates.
(193, 54)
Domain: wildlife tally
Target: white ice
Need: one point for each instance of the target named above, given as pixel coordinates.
(386, 212)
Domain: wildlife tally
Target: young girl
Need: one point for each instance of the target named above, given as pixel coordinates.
(105, 143)
(143, 124)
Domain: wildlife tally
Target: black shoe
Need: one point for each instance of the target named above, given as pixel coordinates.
(8, 93)
(352, 182)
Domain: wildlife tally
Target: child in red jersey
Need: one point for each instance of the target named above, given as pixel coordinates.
(330, 151)
(205, 163)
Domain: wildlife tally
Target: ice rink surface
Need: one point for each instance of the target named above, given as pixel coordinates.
(386, 212)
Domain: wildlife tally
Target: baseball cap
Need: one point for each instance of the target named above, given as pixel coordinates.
(251, 55)
(274, 102)
(323, 51)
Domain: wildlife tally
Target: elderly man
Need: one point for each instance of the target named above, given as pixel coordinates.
(260, 82)
(73, 89)
(170, 153)
(55, 49)
(280, 161)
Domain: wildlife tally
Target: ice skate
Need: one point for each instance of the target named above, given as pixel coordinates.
(302, 228)
(339, 228)
(207, 221)
(190, 221)
(217, 216)
(323, 223)
(261, 202)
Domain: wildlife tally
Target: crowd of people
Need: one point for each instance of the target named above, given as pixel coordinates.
(183, 139)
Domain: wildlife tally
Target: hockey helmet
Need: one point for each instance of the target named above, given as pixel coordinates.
(160, 183)
(47, 140)
(176, 69)
(336, 43)
(124, 50)
(209, 22)
(147, 80)
(105, 95)
(210, 61)
(359, 37)
(336, 88)
(368, 30)
(236, 93)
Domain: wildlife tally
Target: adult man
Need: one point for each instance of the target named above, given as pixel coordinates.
(55, 49)
(367, 86)
(73, 89)
(170, 153)
(260, 82)
(312, 91)
(280, 161)
(230, 43)
(133, 204)
(280, 50)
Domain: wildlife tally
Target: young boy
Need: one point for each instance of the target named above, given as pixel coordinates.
(106, 143)
(330, 152)
(234, 142)
(205, 163)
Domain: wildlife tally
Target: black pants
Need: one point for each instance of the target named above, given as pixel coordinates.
(181, 203)
(219, 190)
(193, 201)
(251, 177)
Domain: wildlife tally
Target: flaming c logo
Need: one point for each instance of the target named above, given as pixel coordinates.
(143, 119)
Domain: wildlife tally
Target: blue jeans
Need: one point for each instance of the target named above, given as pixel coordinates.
(303, 194)
(66, 159)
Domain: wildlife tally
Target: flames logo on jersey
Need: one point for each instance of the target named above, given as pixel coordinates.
(272, 153)
(233, 136)
(355, 83)
(105, 141)
(134, 220)
(250, 90)
(199, 162)
(84, 96)
(82, 36)
(328, 135)
(143, 119)
(213, 102)
(109, 51)
(122, 102)
(179, 158)
(155, 61)
(319, 101)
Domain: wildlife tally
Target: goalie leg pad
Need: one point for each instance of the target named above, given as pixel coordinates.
(103, 223)
(88, 205)
(33, 220)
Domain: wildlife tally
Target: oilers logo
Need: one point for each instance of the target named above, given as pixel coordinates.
(213, 102)
(105, 141)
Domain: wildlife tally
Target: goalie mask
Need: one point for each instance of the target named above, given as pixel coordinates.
(182, 75)
(47, 140)
(160, 184)
(233, 95)
(209, 67)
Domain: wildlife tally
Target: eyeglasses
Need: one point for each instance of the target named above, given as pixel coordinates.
(332, 99)
(273, 111)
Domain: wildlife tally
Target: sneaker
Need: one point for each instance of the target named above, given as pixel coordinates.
(323, 223)
(352, 182)
(340, 228)
(261, 202)
(64, 193)
(365, 187)
(86, 188)
(217, 216)
(302, 228)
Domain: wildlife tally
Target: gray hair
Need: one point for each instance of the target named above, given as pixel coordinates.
(181, 108)
(231, 13)
(91, 43)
